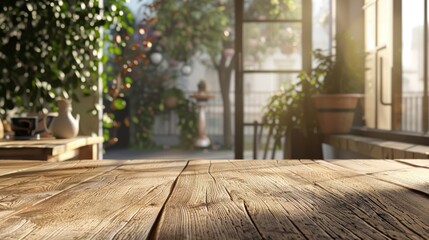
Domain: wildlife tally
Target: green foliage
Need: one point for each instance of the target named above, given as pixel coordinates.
(147, 104)
(50, 49)
(119, 104)
(291, 106)
(343, 73)
(273, 9)
(186, 110)
(191, 26)
(173, 92)
(147, 98)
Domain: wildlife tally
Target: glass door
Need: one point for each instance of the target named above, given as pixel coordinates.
(273, 43)
(382, 82)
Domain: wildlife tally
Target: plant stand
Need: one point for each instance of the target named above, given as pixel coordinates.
(202, 140)
(202, 96)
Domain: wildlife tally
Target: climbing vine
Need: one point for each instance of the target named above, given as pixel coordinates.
(50, 49)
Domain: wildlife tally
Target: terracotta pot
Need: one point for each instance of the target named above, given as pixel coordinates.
(335, 112)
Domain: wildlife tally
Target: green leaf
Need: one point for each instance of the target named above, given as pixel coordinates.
(128, 80)
(119, 104)
(135, 120)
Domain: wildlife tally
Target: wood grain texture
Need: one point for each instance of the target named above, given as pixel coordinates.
(412, 174)
(369, 167)
(100, 205)
(294, 207)
(415, 162)
(12, 166)
(26, 188)
(201, 208)
(390, 210)
(203, 199)
(288, 200)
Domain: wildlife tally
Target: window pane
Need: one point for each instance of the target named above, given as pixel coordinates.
(272, 46)
(258, 87)
(370, 27)
(322, 24)
(412, 64)
(263, 9)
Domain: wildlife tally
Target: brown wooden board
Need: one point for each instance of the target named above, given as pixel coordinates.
(415, 162)
(12, 166)
(201, 208)
(311, 209)
(390, 210)
(367, 167)
(99, 202)
(404, 173)
(202, 199)
(45, 149)
(25, 188)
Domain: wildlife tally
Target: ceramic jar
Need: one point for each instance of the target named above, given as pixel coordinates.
(65, 125)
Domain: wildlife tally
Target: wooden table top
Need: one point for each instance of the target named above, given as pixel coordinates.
(39, 149)
(55, 146)
(201, 199)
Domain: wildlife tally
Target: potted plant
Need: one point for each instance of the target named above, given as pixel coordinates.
(291, 112)
(340, 88)
(171, 96)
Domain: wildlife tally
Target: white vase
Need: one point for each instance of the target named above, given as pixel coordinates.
(65, 125)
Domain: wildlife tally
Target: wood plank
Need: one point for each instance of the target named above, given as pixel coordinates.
(415, 179)
(47, 146)
(12, 166)
(415, 162)
(23, 189)
(291, 198)
(420, 152)
(397, 172)
(272, 208)
(89, 152)
(368, 166)
(200, 207)
(392, 210)
(69, 155)
(121, 203)
(331, 214)
(25, 153)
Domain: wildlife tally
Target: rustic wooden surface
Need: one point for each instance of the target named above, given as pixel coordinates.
(202, 199)
(53, 150)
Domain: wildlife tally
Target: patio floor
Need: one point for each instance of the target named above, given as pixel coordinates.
(127, 154)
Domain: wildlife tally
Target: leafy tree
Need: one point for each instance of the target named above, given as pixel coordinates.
(131, 78)
(189, 27)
